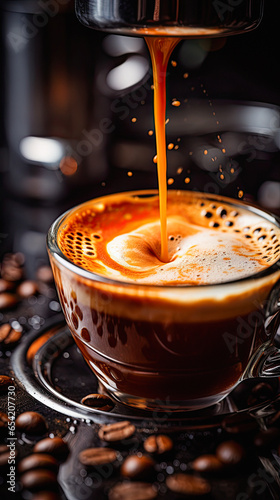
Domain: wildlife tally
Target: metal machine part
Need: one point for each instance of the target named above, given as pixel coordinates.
(198, 18)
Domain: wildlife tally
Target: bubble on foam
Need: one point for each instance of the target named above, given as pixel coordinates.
(256, 241)
(190, 262)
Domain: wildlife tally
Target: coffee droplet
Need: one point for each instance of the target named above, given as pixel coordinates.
(68, 165)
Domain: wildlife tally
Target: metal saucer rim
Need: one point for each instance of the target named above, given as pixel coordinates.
(37, 387)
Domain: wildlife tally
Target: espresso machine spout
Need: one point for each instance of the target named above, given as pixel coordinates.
(184, 18)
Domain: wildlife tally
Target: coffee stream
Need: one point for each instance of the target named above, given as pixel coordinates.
(200, 242)
(160, 51)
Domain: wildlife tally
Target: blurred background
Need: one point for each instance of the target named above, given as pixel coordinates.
(77, 117)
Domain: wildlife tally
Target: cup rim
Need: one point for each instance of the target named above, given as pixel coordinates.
(58, 255)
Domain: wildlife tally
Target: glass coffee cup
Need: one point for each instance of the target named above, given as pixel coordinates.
(176, 347)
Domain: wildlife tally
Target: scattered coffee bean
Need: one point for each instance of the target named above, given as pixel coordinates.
(97, 456)
(132, 491)
(137, 467)
(39, 479)
(7, 300)
(6, 286)
(3, 420)
(5, 382)
(27, 289)
(53, 446)
(46, 495)
(9, 335)
(267, 438)
(188, 485)
(260, 393)
(31, 423)
(230, 453)
(4, 454)
(44, 273)
(38, 461)
(15, 259)
(98, 401)
(207, 463)
(12, 267)
(239, 424)
(158, 444)
(11, 273)
(116, 432)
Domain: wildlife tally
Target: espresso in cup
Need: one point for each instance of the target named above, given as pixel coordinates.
(177, 333)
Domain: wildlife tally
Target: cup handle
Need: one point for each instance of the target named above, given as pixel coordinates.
(266, 360)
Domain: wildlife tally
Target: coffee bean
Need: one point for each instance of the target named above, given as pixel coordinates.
(16, 259)
(9, 335)
(5, 382)
(132, 491)
(3, 420)
(4, 454)
(137, 467)
(27, 289)
(230, 453)
(260, 393)
(12, 267)
(158, 444)
(11, 273)
(46, 495)
(31, 423)
(6, 286)
(44, 273)
(97, 456)
(98, 401)
(117, 431)
(188, 485)
(39, 479)
(53, 446)
(7, 300)
(267, 438)
(239, 424)
(38, 461)
(207, 463)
